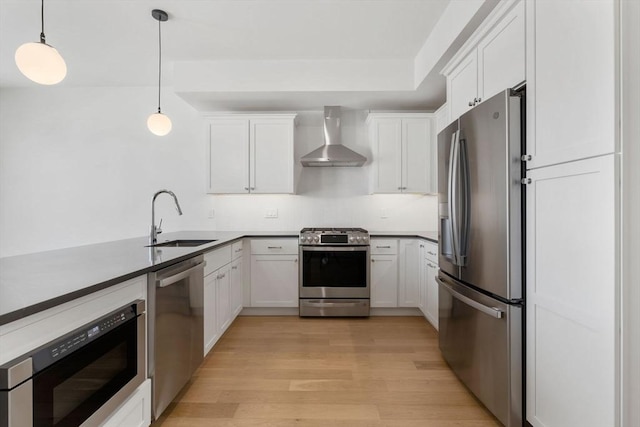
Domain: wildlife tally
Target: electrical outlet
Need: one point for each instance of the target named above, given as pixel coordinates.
(211, 213)
(384, 213)
(271, 213)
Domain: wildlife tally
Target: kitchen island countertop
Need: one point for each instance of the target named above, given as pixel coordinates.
(35, 282)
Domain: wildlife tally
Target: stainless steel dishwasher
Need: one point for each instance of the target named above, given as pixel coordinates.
(175, 296)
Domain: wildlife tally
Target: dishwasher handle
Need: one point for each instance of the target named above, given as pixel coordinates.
(491, 311)
(177, 277)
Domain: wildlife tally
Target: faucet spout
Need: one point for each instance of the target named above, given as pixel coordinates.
(153, 235)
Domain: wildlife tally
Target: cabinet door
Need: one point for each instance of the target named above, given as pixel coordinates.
(571, 294)
(416, 139)
(409, 274)
(274, 280)
(571, 80)
(210, 317)
(223, 299)
(501, 55)
(271, 156)
(236, 287)
(384, 280)
(431, 297)
(387, 140)
(463, 86)
(228, 156)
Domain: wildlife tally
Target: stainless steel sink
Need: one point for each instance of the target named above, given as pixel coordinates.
(182, 243)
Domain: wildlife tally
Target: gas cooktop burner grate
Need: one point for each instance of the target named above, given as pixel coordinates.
(333, 230)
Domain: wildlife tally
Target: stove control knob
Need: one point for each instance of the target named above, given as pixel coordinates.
(303, 239)
(364, 239)
(316, 239)
(352, 239)
(358, 239)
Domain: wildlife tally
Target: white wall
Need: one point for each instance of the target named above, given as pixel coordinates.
(78, 166)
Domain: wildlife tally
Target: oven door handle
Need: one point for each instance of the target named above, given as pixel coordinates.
(177, 277)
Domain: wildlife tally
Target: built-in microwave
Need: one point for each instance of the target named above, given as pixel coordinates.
(80, 378)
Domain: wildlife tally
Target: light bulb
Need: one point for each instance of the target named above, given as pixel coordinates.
(159, 124)
(41, 63)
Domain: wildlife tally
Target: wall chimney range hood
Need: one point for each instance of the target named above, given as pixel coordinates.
(332, 153)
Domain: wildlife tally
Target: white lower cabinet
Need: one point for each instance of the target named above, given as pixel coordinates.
(274, 273)
(210, 316)
(384, 272)
(135, 412)
(222, 291)
(409, 273)
(384, 280)
(223, 299)
(428, 284)
(237, 285)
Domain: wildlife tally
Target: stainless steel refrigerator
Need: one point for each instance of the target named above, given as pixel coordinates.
(481, 254)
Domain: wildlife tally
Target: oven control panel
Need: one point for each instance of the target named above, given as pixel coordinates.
(334, 236)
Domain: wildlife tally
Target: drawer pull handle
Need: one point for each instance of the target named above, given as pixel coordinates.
(221, 276)
(274, 247)
(431, 253)
(383, 247)
(431, 265)
(235, 267)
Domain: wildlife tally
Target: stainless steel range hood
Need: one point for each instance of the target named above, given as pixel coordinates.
(332, 153)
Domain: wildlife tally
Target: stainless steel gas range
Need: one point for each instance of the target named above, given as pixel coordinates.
(334, 272)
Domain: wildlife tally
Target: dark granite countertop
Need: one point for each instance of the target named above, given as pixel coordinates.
(427, 235)
(35, 282)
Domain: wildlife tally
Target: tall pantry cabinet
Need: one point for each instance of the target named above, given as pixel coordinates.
(572, 193)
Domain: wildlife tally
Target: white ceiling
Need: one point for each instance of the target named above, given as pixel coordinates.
(114, 42)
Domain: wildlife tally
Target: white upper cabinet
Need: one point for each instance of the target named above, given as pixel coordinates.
(228, 149)
(462, 86)
(492, 60)
(403, 147)
(571, 80)
(250, 154)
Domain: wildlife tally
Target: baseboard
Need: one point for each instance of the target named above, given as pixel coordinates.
(293, 311)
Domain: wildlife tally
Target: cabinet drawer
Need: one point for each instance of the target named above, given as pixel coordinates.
(236, 249)
(384, 246)
(431, 252)
(274, 246)
(216, 259)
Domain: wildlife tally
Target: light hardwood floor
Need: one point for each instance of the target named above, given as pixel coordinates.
(288, 371)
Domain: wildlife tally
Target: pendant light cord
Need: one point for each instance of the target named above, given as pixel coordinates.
(42, 40)
(159, 63)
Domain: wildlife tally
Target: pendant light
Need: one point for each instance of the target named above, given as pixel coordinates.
(158, 123)
(41, 62)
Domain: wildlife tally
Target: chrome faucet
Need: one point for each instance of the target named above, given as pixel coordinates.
(153, 235)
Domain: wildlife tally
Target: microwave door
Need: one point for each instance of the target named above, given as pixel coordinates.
(446, 168)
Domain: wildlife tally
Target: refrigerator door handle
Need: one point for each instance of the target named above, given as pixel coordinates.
(463, 233)
(491, 311)
(453, 195)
